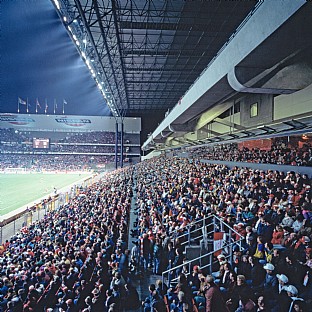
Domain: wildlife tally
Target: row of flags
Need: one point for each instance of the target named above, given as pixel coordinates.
(38, 106)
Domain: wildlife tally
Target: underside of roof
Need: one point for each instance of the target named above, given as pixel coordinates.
(150, 52)
(186, 58)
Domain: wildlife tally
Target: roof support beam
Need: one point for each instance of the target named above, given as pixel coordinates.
(239, 87)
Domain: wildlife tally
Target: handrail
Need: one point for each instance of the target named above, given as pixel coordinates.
(210, 254)
(224, 223)
(190, 225)
(225, 245)
(203, 220)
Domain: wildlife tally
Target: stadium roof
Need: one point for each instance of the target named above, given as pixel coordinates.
(143, 56)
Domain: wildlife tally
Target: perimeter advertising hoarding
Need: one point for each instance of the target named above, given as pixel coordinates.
(68, 123)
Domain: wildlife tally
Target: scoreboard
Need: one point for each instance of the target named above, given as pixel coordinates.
(41, 143)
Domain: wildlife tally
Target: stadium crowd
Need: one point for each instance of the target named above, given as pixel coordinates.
(47, 162)
(76, 259)
(271, 210)
(278, 154)
(82, 148)
(11, 135)
(91, 137)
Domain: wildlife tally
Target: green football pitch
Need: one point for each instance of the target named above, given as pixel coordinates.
(17, 190)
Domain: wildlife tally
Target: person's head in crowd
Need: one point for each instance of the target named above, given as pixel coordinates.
(282, 279)
(306, 240)
(261, 303)
(221, 258)
(233, 277)
(269, 267)
(299, 306)
(291, 290)
(210, 280)
(241, 279)
(269, 246)
(290, 259)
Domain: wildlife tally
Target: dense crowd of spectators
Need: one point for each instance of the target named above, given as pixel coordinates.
(280, 155)
(76, 258)
(91, 137)
(101, 137)
(271, 210)
(11, 135)
(82, 148)
(60, 162)
(16, 150)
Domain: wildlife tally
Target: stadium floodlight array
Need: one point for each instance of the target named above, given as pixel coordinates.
(85, 45)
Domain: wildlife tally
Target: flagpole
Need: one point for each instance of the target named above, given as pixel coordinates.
(17, 105)
(36, 106)
(54, 107)
(27, 105)
(46, 106)
(63, 106)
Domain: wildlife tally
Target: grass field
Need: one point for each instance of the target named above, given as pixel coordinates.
(17, 190)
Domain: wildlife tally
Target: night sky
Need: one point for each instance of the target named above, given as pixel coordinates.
(39, 60)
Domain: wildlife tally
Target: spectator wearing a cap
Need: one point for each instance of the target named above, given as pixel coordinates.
(282, 296)
(292, 293)
(270, 283)
(282, 282)
(221, 260)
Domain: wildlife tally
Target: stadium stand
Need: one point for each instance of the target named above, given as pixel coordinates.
(66, 151)
(260, 205)
(63, 261)
(279, 154)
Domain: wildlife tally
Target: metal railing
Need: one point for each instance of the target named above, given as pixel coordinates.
(205, 260)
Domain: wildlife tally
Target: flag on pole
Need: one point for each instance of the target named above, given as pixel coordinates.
(37, 105)
(46, 106)
(22, 102)
(64, 103)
